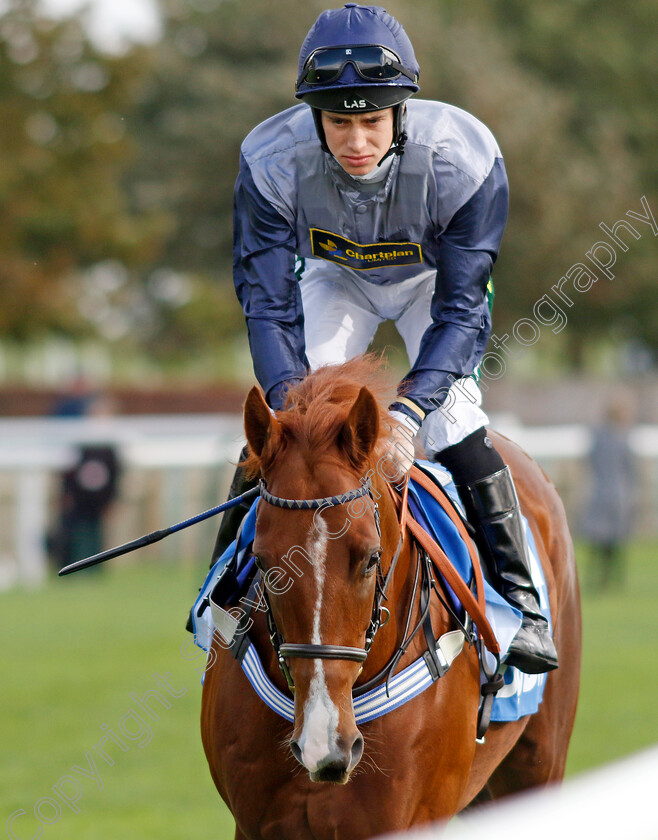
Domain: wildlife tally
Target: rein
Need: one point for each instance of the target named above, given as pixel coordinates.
(284, 650)
(475, 606)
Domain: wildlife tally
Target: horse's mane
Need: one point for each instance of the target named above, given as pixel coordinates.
(317, 407)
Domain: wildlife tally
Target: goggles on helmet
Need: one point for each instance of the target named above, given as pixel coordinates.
(373, 63)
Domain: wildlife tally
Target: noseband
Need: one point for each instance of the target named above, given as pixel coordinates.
(285, 651)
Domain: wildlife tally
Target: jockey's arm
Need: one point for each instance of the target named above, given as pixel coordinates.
(266, 285)
(454, 342)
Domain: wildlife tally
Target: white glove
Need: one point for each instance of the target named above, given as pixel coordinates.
(400, 446)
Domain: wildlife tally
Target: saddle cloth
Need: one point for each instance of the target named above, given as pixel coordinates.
(521, 693)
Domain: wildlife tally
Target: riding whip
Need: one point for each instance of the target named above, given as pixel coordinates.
(155, 536)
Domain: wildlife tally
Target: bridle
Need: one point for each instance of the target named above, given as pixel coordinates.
(380, 614)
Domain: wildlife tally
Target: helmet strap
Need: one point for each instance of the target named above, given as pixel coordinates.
(317, 119)
(399, 134)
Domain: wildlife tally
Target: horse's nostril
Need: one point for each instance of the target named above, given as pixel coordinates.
(335, 766)
(357, 751)
(296, 751)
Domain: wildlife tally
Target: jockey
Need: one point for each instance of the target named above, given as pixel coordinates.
(358, 206)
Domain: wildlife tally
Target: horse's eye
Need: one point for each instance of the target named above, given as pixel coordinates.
(373, 561)
(258, 560)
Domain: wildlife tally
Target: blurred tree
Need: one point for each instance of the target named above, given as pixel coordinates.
(220, 68)
(563, 181)
(598, 58)
(64, 148)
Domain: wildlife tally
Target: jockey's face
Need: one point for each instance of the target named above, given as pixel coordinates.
(358, 141)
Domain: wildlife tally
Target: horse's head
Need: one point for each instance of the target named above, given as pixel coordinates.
(320, 565)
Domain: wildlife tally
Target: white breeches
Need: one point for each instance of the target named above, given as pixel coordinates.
(341, 315)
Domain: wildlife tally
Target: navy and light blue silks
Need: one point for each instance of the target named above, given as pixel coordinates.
(443, 207)
(521, 693)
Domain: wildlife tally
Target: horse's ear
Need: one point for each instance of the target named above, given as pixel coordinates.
(360, 432)
(259, 422)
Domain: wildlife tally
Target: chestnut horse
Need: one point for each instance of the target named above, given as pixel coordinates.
(322, 778)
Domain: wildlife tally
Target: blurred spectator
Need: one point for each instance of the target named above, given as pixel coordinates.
(87, 491)
(608, 519)
(75, 400)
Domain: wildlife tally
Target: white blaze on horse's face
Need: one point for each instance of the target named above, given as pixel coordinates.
(327, 754)
(318, 738)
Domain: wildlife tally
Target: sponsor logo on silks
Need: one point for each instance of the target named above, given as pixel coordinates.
(338, 249)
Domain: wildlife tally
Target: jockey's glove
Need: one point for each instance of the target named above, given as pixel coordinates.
(400, 446)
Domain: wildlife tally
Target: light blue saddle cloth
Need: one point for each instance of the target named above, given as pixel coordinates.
(521, 694)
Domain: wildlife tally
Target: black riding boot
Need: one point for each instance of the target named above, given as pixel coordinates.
(492, 507)
(232, 518)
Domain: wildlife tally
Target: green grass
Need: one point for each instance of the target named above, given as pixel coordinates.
(619, 685)
(74, 651)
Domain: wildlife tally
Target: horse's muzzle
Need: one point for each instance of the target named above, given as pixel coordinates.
(336, 766)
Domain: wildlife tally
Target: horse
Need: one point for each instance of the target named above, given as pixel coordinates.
(324, 778)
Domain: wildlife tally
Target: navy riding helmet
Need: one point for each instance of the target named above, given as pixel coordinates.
(354, 60)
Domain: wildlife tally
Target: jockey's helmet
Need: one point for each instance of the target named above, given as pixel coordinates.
(354, 60)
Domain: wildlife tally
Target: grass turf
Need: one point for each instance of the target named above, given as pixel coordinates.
(80, 652)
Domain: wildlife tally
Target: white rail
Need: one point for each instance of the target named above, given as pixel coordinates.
(177, 465)
(617, 801)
